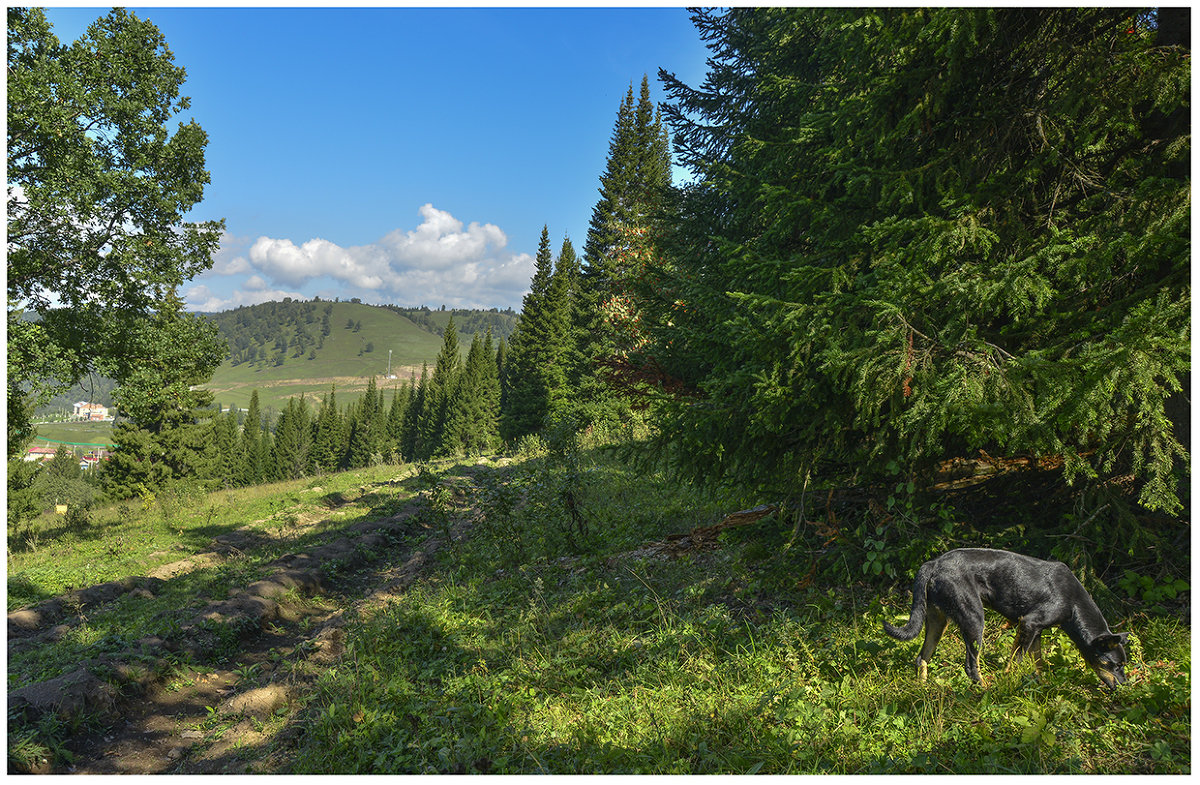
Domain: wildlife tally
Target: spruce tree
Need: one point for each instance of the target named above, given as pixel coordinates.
(621, 242)
(435, 438)
(534, 371)
(410, 439)
(472, 425)
(329, 435)
(254, 457)
(401, 398)
(160, 361)
(614, 204)
(491, 390)
(637, 174)
(571, 324)
(225, 443)
(366, 429)
(293, 440)
(928, 232)
(501, 360)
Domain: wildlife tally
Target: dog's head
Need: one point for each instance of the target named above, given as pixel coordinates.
(1106, 655)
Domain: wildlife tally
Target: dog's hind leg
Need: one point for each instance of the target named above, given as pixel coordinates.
(1035, 649)
(971, 627)
(962, 604)
(935, 625)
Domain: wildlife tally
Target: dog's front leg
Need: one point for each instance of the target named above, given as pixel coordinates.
(1035, 648)
(1028, 639)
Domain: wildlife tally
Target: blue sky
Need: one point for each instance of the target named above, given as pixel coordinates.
(403, 155)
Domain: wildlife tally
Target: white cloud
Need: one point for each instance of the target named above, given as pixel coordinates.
(440, 261)
(290, 264)
(441, 242)
(202, 298)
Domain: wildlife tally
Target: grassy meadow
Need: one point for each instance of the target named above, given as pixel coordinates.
(98, 433)
(342, 361)
(555, 639)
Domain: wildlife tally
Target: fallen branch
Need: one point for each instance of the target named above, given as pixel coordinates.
(732, 520)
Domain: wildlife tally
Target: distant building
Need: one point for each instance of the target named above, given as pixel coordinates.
(93, 457)
(42, 454)
(91, 411)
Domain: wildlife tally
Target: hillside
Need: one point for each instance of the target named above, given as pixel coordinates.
(289, 348)
(460, 618)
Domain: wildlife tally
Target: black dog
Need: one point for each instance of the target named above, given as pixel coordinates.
(1031, 593)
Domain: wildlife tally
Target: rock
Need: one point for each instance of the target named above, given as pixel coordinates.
(28, 619)
(65, 696)
(57, 632)
(269, 589)
(261, 702)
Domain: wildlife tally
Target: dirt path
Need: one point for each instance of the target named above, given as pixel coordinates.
(222, 714)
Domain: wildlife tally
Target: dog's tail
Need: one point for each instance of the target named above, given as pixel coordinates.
(916, 619)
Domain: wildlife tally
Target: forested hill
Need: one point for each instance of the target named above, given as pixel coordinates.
(295, 346)
(468, 322)
(263, 332)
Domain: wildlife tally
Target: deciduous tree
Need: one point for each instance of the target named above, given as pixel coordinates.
(98, 186)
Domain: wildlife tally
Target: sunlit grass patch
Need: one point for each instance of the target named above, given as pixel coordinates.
(593, 657)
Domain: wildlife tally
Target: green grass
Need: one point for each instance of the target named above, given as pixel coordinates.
(546, 644)
(98, 433)
(48, 557)
(525, 655)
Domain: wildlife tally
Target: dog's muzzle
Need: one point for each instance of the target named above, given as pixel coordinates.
(1111, 679)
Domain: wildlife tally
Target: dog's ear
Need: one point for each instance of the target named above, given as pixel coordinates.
(1111, 641)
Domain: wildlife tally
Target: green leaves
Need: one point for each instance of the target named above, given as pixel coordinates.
(98, 188)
